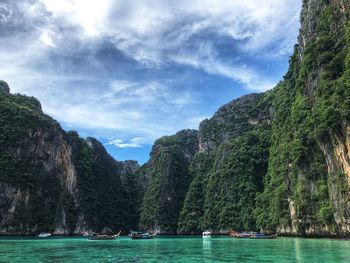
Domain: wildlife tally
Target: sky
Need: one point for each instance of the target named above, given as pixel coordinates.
(129, 72)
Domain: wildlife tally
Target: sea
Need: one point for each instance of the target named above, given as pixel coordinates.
(173, 249)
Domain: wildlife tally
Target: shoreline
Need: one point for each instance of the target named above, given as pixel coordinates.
(177, 236)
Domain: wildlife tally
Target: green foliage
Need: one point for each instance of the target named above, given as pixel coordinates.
(309, 106)
(103, 199)
(164, 196)
(70, 210)
(132, 201)
(227, 177)
(237, 177)
(191, 216)
(169, 179)
(234, 119)
(32, 166)
(22, 169)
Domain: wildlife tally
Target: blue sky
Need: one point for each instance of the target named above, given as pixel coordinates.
(129, 72)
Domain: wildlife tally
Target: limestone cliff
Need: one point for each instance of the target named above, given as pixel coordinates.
(280, 161)
(233, 151)
(306, 188)
(168, 180)
(55, 181)
(193, 176)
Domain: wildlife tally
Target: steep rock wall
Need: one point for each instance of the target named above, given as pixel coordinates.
(306, 188)
(55, 181)
(168, 180)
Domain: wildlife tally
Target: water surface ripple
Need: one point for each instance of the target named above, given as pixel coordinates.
(174, 249)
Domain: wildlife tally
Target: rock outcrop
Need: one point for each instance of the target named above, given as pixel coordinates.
(225, 161)
(4, 87)
(306, 188)
(51, 180)
(289, 147)
(168, 178)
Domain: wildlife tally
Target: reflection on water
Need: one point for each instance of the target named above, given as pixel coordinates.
(206, 245)
(297, 250)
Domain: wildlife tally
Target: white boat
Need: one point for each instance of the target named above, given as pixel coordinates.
(206, 234)
(44, 234)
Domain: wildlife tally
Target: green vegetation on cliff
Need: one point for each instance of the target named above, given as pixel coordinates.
(191, 217)
(234, 181)
(22, 167)
(310, 105)
(228, 172)
(51, 180)
(279, 161)
(169, 178)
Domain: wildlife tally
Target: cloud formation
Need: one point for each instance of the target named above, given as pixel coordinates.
(137, 68)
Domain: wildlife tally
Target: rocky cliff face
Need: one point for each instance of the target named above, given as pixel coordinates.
(227, 160)
(55, 181)
(289, 147)
(168, 180)
(4, 87)
(230, 121)
(194, 175)
(336, 152)
(309, 160)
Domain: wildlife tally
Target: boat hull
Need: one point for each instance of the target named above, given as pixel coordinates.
(102, 238)
(44, 235)
(151, 237)
(206, 234)
(263, 237)
(142, 236)
(253, 235)
(241, 235)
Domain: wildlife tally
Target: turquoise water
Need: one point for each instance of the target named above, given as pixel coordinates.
(174, 249)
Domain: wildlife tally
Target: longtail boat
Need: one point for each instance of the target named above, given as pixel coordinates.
(252, 235)
(140, 235)
(95, 236)
(242, 235)
(262, 236)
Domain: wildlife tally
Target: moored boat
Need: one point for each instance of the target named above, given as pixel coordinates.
(252, 235)
(95, 236)
(43, 235)
(140, 235)
(262, 236)
(206, 234)
(242, 235)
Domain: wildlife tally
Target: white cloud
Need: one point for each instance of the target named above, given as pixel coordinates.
(156, 32)
(89, 14)
(47, 39)
(52, 49)
(144, 111)
(243, 74)
(133, 143)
